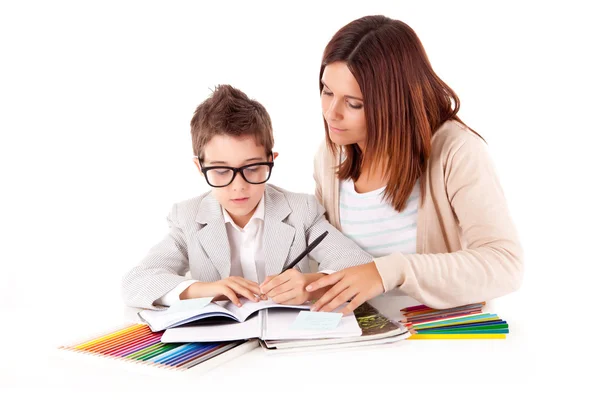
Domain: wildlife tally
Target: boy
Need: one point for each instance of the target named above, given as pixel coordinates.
(243, 231)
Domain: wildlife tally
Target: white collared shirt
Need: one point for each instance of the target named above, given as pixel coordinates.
(246, 245)
(246, 250)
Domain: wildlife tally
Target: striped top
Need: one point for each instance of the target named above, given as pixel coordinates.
(374, 224)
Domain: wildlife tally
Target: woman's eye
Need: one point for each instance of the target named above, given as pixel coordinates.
(355, 106)
(326, 93)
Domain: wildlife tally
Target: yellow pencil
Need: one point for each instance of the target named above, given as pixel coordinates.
(89, 343)
(425, 336)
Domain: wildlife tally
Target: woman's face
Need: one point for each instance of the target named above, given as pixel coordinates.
(342, 104)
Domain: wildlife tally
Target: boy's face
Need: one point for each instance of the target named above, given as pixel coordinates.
(239, 198)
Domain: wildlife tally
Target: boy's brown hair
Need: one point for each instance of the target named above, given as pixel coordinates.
(229, 111)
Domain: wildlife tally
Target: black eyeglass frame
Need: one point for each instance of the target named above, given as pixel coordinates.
(241, 169)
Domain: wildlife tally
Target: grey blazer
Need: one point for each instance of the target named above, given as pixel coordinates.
(198, 243)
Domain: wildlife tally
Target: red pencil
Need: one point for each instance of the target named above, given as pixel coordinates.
(419, 307)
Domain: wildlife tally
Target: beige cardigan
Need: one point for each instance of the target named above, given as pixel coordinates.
(467, 246)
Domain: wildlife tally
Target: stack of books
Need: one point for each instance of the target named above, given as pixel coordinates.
(464, 322)
(375, 329)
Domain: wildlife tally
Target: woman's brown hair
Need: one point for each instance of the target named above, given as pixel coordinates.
(405, 102)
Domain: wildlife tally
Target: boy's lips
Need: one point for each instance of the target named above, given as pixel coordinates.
(240, 200)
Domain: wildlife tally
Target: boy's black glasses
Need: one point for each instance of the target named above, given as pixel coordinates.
(254, 174)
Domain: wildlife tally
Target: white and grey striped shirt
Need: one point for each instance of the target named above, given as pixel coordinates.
(374, 224)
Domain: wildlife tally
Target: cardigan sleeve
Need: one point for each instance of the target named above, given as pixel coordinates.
(491, 263)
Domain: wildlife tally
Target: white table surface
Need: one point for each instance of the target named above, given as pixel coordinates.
(402, 369)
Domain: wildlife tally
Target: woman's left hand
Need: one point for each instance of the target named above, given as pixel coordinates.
(360, 283)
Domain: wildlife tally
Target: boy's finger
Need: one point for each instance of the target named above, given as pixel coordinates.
(241, 290)
(283, 297)
(267, 280)
(277, 290)
(278, 280)
(328, 280)
(251, 285)
(231, 296)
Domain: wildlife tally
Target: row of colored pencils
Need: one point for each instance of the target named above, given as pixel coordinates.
(464, 322)
(137, 343)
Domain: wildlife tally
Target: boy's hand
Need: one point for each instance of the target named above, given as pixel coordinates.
(289, 287)
(228, 288)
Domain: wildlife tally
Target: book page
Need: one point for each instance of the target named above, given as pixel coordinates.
(248, 307)
(214, 332)
(179, 315)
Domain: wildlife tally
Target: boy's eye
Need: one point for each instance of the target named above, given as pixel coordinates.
(221, 171)
(253, 169)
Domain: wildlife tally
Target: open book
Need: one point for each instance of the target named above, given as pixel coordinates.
(187, 311)
(264, 320)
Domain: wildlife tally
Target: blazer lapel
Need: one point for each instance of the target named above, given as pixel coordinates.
(213, 236)
(278, 236)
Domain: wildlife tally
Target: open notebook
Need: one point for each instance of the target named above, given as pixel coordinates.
(187, 311)
(204, 321)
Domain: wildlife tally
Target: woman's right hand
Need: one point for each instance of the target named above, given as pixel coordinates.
(228, 288)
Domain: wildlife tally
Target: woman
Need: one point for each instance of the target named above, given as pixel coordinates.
(403, 176)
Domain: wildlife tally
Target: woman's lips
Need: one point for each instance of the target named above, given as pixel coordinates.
(336, 130)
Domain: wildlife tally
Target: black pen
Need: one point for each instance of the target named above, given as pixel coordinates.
(306, 251)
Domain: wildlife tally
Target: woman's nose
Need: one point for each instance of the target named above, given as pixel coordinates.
(333, 113)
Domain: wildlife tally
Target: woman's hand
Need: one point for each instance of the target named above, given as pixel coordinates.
(360, 283)
(228, 288)
(289, 287)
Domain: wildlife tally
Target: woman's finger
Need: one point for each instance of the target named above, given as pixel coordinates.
(328, 280)
(354, 304)
(340, 299)
(329, 295)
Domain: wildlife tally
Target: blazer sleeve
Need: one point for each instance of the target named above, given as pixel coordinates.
(491, 265)
(336, 251)
(160, 271)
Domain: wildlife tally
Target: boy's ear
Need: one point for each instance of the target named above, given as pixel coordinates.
(275, 154)
(197, 164)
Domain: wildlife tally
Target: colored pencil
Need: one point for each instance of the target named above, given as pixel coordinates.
(454, 337)
(138, 344)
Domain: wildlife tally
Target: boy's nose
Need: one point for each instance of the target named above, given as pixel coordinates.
(239, 183)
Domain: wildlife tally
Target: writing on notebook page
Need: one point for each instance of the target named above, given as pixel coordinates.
(316, 321)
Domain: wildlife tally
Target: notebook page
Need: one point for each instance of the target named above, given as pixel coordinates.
(278, 326)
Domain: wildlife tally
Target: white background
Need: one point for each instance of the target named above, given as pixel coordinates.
(95, 104)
